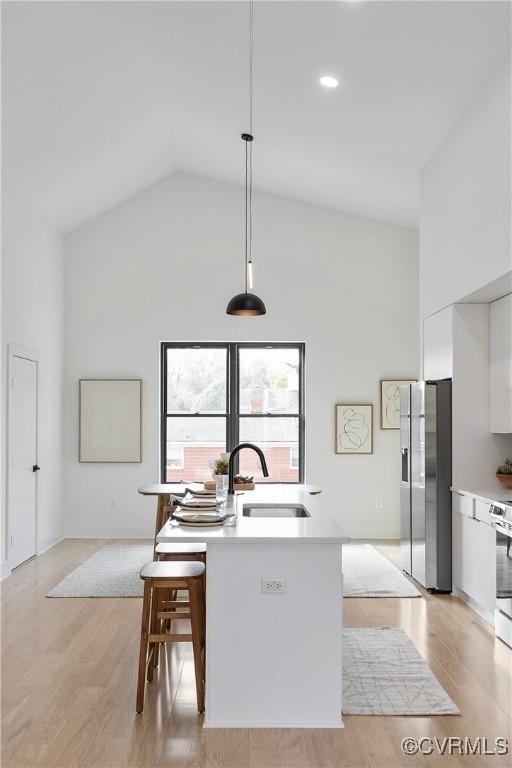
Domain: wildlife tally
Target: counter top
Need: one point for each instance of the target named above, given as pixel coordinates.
(163, 489)
(318, 528)
(488, 495)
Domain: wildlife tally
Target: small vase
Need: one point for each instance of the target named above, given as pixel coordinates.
(505, 479)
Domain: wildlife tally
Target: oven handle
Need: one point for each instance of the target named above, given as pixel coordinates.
(503, 530)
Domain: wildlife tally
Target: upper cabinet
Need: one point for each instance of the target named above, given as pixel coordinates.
(501, 365)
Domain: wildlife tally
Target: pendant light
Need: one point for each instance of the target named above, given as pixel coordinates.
(247, 304)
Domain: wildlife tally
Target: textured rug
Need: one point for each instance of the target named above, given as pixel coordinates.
(113, 571)
(383, 674)
(367, 574)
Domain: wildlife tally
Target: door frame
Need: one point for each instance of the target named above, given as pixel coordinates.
(14, 350)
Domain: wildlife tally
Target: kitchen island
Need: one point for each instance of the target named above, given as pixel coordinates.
(273, 612)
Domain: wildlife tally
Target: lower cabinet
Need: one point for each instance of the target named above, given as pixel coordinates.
(474, 560)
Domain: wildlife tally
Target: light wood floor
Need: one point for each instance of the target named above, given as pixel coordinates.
(69, 675)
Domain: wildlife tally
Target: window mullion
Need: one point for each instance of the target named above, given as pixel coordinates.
(235, 404)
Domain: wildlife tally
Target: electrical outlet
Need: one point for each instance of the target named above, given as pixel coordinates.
(379, 503)
(273, 586)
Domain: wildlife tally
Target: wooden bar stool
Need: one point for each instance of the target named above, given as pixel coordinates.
(166, 494)
(160, 577)
(181, 552)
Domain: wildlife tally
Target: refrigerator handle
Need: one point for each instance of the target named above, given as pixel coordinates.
(405, 464)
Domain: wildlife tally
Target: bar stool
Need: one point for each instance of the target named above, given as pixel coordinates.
(181, 552)
(160, 577)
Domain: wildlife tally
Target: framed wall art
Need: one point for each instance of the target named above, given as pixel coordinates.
(390, 402)
(354, 428)
(110, 427)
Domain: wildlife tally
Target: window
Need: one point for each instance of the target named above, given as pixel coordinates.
(175, 456)
(217, 395)
(294, 458)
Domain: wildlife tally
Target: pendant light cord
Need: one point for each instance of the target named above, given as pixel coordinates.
(247, 216)
(251, 61)
(248, 139)
(251, 95)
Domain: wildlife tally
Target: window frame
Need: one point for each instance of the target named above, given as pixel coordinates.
(232, 413)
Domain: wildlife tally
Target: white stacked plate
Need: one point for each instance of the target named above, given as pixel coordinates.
(189, 502)
(198, 518)
(201, 493)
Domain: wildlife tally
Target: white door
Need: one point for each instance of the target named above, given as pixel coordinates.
(22, 460)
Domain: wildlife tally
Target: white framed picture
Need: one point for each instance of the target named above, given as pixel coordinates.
(110, 425)
(354, 428)
(390, 402)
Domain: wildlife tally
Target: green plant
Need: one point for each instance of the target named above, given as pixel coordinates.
(221, 467)
(506, 468)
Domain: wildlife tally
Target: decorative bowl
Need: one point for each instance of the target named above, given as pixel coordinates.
(505, 479)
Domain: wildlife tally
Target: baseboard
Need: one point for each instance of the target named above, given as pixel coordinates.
(250, 724)
(108, 533)
(486, 615)
(5, 570)
(47, 544)
(372, 531)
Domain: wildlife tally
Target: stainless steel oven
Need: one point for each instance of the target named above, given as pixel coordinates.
(501, 516)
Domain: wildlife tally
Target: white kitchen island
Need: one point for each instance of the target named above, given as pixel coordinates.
(272, 660)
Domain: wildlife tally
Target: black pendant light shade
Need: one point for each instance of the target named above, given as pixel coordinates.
(246, 305)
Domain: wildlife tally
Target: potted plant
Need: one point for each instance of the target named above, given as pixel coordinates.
(504, 473)
(220, 467)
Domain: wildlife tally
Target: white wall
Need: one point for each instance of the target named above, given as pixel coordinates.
(4, 567)
(465, 211)
(163, 265)
(32, 317)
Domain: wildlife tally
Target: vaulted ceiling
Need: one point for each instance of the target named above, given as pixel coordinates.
(103, 98)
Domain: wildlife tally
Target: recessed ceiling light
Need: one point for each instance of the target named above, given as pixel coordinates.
(328, 81)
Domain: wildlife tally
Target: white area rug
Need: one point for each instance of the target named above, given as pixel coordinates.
(367, 574)
(383, 674)
(113, 571)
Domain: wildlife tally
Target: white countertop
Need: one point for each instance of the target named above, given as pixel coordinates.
(319, 528)
(496, 492)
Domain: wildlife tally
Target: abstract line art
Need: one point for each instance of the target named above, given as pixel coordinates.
(390, 402)
(354, 428)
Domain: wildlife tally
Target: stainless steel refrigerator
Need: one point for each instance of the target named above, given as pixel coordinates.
(426, 476)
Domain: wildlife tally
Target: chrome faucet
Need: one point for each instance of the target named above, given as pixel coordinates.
(232, 457)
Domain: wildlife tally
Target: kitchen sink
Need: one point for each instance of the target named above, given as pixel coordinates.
(275, 510)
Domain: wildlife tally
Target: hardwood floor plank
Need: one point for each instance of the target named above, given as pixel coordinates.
(69, 671)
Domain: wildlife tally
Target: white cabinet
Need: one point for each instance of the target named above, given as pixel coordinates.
(474, 560)
(463, 503)
(501, 365)
(482, 511)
